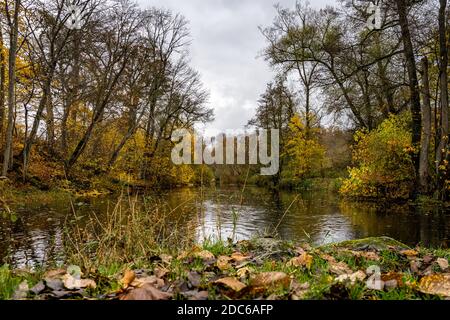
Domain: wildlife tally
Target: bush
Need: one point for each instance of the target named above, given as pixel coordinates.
(383, 158)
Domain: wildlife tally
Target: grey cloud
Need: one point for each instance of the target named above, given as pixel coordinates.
(225, 45)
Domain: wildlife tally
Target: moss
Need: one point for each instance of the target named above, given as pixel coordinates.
(374, 243)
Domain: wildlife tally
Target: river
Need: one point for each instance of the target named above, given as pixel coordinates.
(36, 234)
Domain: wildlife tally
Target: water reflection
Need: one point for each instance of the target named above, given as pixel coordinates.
(36, 237)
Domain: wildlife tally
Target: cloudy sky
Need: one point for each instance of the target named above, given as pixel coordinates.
(225, 47)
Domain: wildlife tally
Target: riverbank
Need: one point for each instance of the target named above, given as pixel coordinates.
(373, 269)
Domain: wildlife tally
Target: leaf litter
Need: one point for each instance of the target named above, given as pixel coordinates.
(292, 273)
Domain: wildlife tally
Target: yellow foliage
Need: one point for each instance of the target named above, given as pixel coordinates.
(306, 154)
(383, 157)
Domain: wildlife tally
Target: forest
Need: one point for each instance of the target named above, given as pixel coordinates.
(91, 93)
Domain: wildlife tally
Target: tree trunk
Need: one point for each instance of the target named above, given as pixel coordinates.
(83, 142)
(119, 148)
(29, 142)
(414, 89)
(426, 125)
(50, 120)
(11, 88)
(443, 87)
(71, 110)
(2, 84)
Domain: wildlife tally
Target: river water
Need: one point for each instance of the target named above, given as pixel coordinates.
(36, 234)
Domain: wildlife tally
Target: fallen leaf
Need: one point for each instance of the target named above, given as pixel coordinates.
(398, 277)
(390, 285)
(57, 273)
(274, 297)
(231, 283)
(352, 278)
(436, 284)
(194, 278)
(298, 291)
(243, 272)
(128, 278)
(443, 263)
(304, 260)
(61, 294)
(414, 266)
(153, 280)
(183, 255)
(54, 284)
(223, 263)
(328, 258)
(22, 291)
(195, 295)
(299, 250)
(270, 279)
(160, 272)
(38, 288)
(239, 257)
(72, 283)
(428, 271)
(146, 292)
(205, 255)
(340, 268)
(369, 255)
(165, 258)
(409, 253)
(427, 259)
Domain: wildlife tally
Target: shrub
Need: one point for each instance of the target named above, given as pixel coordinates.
(383, 161)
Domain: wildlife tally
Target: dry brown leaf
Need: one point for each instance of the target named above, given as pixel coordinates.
(183, 255)
(195, 295)
(409, 253)
(57, 273)
(270, 279)
(298, 291)
(128, 278)
(231, 283)
(239, 257)
(352, 278)
(390, 285)
(304, 260)
(22, 291)
(299, 250)
(340, 268)
(153, 280)
(146, 292)
(369, 255)
(328, 258)
(414, 266)
(436, 284)
(393, 276)
(204, 254)
(160, 272)
(443, 263)
(194, 278)
(166, 259)
(72, 283)
(243, 272)
(223, 263)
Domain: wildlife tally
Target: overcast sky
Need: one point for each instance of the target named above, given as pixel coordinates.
(225, 46)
